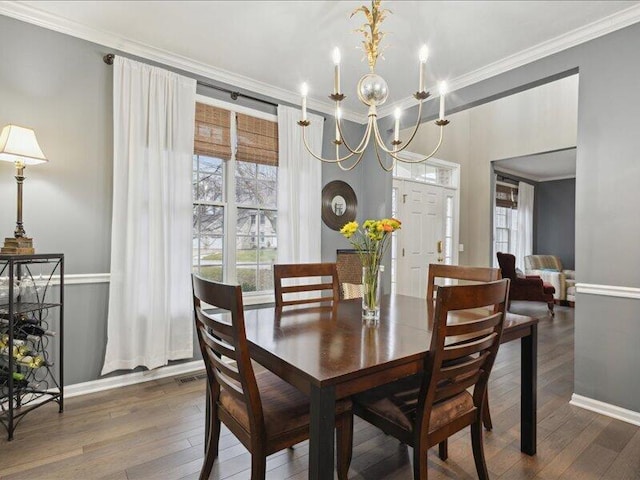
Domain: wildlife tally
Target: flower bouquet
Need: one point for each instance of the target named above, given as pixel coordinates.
(371, 241)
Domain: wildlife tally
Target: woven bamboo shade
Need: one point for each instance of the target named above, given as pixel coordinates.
(507, 196)
(257, 140)
(213, 132)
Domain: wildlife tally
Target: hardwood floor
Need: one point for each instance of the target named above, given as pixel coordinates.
(155, 430)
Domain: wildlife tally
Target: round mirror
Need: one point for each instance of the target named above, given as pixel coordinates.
(338, 204)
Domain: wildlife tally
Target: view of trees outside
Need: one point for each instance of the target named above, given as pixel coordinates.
(256, 227)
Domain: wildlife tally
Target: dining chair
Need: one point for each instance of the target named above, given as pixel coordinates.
(349, 266)
(425, 409)
(322, 286)
(466, 273)
(263, 411)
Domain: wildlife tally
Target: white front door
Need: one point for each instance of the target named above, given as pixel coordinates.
(421, 240)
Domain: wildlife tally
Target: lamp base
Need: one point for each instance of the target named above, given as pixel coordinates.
(18, 246)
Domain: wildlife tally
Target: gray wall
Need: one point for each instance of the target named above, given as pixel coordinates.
(554, 223)
(60, 86)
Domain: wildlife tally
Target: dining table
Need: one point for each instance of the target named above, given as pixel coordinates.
(330, 353)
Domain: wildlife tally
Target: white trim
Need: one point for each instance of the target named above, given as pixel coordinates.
(607, 409)
(27, 13)
(528, 176)
(108, 383)
(559, 177)
(608, 290)
(30, 14)
(611, 23)
(82, 278)
(233, 107)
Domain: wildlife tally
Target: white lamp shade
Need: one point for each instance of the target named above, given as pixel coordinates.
(19, 145)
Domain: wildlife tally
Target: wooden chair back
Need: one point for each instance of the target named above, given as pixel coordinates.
(459, 272)
(462, 354)
(349, 266)
(284, 293)
(218, 339)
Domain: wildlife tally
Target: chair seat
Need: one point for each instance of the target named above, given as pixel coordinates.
(285, 408)
(397, 402)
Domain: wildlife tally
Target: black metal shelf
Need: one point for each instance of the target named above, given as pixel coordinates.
(26, 307)
(39, 386)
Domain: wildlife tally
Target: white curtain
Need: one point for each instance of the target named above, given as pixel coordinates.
(524, 243)
(299, 188)
(150, 310)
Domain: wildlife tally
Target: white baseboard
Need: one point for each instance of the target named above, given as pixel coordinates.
(108, 383)
(607, 409)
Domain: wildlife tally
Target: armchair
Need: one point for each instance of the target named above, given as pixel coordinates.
(530, 288)
(549, 268)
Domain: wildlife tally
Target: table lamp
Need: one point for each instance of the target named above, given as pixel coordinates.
(19, 145)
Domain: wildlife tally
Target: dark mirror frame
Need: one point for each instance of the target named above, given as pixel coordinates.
(330, 190)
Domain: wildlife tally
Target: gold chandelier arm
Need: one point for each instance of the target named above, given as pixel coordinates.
(347, 169)
(363, 143)
(423, 159)
(413, 134)
(393, 160)
(326, 160)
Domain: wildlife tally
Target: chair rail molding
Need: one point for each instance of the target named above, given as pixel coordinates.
(82, 278)
(608, 290)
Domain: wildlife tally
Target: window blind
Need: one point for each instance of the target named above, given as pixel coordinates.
(506, 196)
(257, 140)
(212, 132)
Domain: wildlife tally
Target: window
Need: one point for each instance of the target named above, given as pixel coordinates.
(235, 197)
(506, 218)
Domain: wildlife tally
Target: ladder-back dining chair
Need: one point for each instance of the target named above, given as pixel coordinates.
(349, 266)
(469, 274)
(263, 411)
(322, 285)
(425, 409)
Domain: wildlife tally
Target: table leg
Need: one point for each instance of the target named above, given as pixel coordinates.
(321, 430)
(529, 381)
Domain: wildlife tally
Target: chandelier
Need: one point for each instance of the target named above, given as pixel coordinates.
(373, 91)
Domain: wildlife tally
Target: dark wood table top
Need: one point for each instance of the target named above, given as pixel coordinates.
(323, 346)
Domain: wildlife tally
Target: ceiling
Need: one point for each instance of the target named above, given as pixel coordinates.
(541, 167)
(271, 47)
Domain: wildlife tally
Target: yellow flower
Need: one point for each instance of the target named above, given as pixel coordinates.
(349, 229)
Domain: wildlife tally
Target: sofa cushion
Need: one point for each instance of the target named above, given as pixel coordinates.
(540, 262)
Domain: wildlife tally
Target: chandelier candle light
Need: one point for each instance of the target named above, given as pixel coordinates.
(373, 91)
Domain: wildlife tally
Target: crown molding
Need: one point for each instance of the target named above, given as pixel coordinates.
(567, 40)
(583, 34)
(533, 178)
(59, 24)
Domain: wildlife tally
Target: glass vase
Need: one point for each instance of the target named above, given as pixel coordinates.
(371, 283)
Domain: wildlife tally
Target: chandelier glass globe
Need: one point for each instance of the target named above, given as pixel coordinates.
(373, 90)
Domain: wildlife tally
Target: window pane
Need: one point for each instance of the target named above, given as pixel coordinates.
(268, 222)
(266, 194)
(246, 169)
(211, 165)
(207, 178)
(208, 257)
(265, 277)
(209, 187)
(247, 222)
(246, 249)
(267, 172)
(247, 277)
(208, 220)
